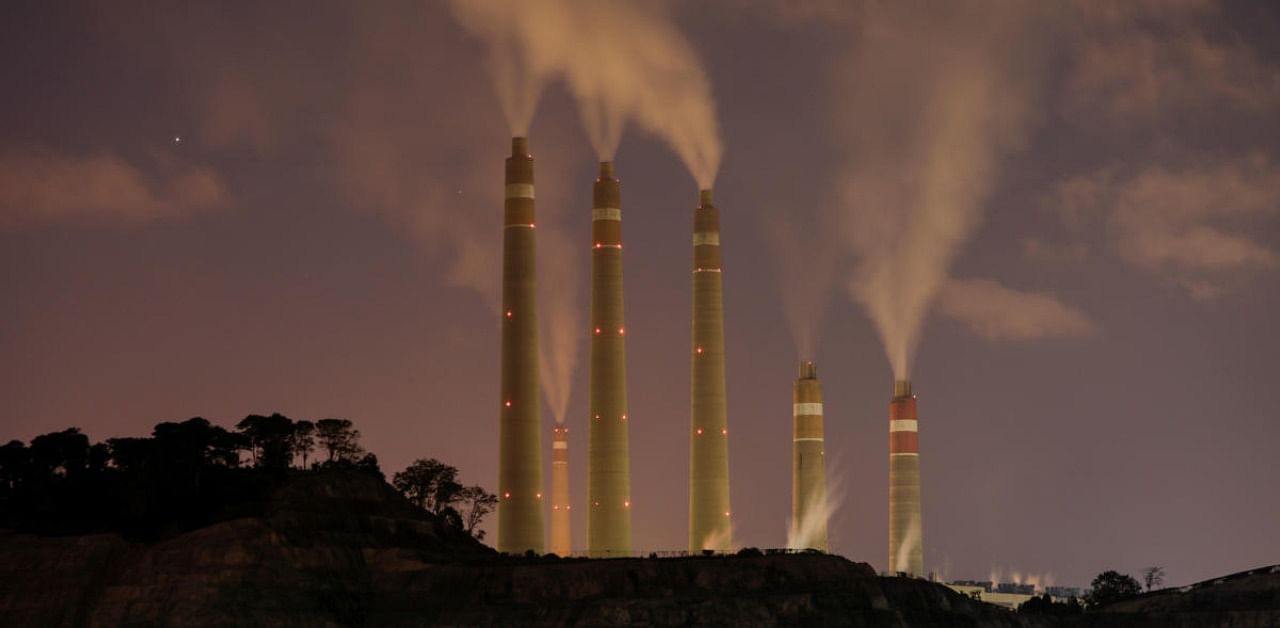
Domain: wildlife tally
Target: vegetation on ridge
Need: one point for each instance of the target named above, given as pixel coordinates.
(192, 473)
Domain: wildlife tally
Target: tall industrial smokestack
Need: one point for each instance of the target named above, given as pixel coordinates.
(808, 468)
(561, 537)
(520, 525)
(709, 513)
(906, 539)
(608, 461)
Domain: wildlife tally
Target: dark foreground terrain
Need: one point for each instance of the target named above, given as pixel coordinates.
(344, 549)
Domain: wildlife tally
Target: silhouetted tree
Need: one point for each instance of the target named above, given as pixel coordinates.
(15, 458)
(369, 464)
(1110, 586)
(130, 454)
(304, 440)
(1152, 577)
(339, 439)
(182, 451)
(475, 505)
(270, 438)
(99, 458)
(60, 454)
(430, 484)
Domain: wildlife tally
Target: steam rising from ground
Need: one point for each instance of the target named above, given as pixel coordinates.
(800, 534)
(623, 61)
(909, 543)
(720, 541)
(1038, 580)
(933, 106)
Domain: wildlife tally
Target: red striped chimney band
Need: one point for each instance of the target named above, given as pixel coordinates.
(902, 426)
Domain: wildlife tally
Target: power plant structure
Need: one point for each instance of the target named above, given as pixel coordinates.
(906, 539)
(521, 526)
(561, 536)
(808, 466)
(520, 518)
(710, 518)
(608, 460)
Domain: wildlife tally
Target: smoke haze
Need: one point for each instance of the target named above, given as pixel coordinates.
(622, 60)
(560, 317)
(805, 266)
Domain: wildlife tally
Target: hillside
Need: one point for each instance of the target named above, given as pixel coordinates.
(1245, 600)
(344, 549)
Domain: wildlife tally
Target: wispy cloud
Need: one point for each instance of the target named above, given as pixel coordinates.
(38, 185)
(995, 312)
(1191, 223)
(1146, 61)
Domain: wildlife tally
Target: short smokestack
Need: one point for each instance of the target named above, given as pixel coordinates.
(808, 464)
(906, 544)
(608, 457)
(901, 388)
(520, 514)
(520, 147)
(808, 370)
(561, 533)
(709, 513)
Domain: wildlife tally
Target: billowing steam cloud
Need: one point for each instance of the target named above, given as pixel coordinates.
(622, 60)
(932, 107)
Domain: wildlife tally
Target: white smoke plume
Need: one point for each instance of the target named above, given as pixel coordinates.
(623, 61)
(933, 104)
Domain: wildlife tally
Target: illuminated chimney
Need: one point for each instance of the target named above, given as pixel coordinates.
(561, 537)
(520, 518)
(608, 460)
(709, 513)
(808, 466)
(906, 544)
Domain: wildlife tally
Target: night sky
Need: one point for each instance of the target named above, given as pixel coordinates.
(218, 209)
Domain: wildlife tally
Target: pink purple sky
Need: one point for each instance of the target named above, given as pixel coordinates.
(1096, 371)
